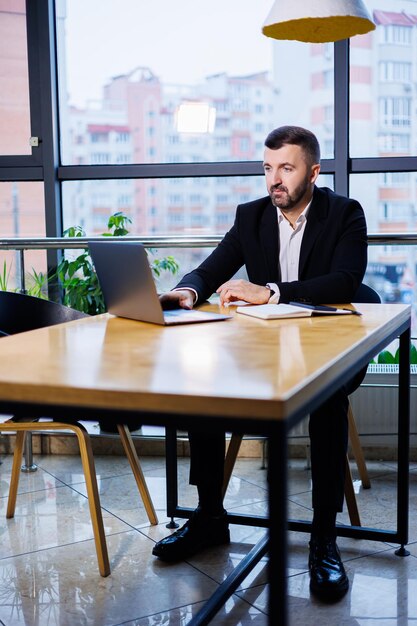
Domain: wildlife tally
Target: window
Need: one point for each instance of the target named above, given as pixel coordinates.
(175, 198)
(196, 198)
(135, 85)
(395, 179)
(395, 71)
(244, 144)
(175, 218)
(88, 202)
(382, 109)
(14, 85)
(100, 158)
(328, 79)
(22, 209)
(123, 137)
(394, 211)
(395, 111)
(399, 35)
(394, 143)
(116, 113)
(124, 200)
(222, 198)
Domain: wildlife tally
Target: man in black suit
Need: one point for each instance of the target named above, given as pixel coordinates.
(300, 243)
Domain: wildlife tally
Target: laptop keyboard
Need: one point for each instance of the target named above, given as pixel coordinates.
(184, 313)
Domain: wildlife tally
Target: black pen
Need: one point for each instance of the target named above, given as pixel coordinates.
(323, 307)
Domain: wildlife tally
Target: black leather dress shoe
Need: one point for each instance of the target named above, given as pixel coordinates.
(328, 580)
(198, 533)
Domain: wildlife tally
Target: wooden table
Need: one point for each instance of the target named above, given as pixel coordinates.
(243, 374)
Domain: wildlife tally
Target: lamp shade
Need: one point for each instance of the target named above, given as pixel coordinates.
(317, 22)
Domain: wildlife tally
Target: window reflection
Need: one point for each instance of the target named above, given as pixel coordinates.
(389, 201)
(382, 70)
(14, 86)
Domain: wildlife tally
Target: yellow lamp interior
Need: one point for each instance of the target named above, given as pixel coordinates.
(319, 29)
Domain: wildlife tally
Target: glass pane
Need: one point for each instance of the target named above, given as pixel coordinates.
(389, 201)
(22, 209)
(14, 85)
(325, 180)
(22, 214)
(382, 82)
(184, 206)
(209, 90)
(304, 85)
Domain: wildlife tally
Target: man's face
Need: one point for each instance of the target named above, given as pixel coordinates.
(289, 179)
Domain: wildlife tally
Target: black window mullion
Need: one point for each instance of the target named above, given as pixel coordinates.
(32, 29)
(341, 117)
(43, 14)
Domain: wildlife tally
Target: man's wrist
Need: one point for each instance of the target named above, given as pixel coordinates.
(274, 293)
(190, 289)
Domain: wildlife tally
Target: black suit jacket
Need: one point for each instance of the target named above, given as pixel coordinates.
(333, 253)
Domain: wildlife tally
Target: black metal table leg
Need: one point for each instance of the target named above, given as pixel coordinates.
(277, 492)
(228, 586)
(403, 442)
(171, 474)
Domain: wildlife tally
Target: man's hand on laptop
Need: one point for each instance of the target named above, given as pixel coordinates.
(179, 298)
(233, 290)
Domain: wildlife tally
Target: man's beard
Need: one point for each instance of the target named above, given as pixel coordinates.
(287, 201)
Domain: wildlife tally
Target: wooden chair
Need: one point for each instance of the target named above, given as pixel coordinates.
(19, 313)
(350, 497)
(364, 294)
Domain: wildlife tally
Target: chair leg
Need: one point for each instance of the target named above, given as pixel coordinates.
(130, 450)
(350, 497)
(357, 450)
(230, 460)
(16, 467)
(93, 500)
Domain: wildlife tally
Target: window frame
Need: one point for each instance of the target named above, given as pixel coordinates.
(44, 162)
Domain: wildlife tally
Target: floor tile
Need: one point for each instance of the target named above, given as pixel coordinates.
(55, 587)
(236, 612)
(48, 565)
(52, 517)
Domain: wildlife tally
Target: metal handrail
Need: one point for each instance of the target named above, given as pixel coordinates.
(56, 243)
(20, 244)
(166, 241)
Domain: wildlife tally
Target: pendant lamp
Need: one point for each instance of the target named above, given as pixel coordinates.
(317, 22)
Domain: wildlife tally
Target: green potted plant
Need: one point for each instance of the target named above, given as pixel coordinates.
(77, 277)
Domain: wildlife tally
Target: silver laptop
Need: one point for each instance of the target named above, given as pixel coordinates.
(128, 286)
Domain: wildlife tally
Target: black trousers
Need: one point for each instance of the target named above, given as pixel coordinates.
(328, 430)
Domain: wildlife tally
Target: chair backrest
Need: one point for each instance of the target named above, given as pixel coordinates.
(19, 313)
(365, 294)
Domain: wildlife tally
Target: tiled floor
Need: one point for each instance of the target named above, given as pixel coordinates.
(48, 566)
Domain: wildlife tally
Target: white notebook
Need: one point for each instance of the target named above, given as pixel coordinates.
(277, 311)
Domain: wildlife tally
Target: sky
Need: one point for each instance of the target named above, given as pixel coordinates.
(181, 41)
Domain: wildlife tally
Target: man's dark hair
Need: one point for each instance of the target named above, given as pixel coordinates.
(297, 136)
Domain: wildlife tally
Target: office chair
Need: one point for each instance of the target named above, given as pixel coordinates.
(20, 313)
(364, 294)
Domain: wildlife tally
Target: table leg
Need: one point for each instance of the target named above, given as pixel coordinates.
(403, 442)
(171, 474)
(277, 567)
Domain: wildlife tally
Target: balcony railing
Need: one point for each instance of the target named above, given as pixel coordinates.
(22, 244)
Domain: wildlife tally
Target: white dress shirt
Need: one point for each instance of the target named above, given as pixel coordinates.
(289, 249)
